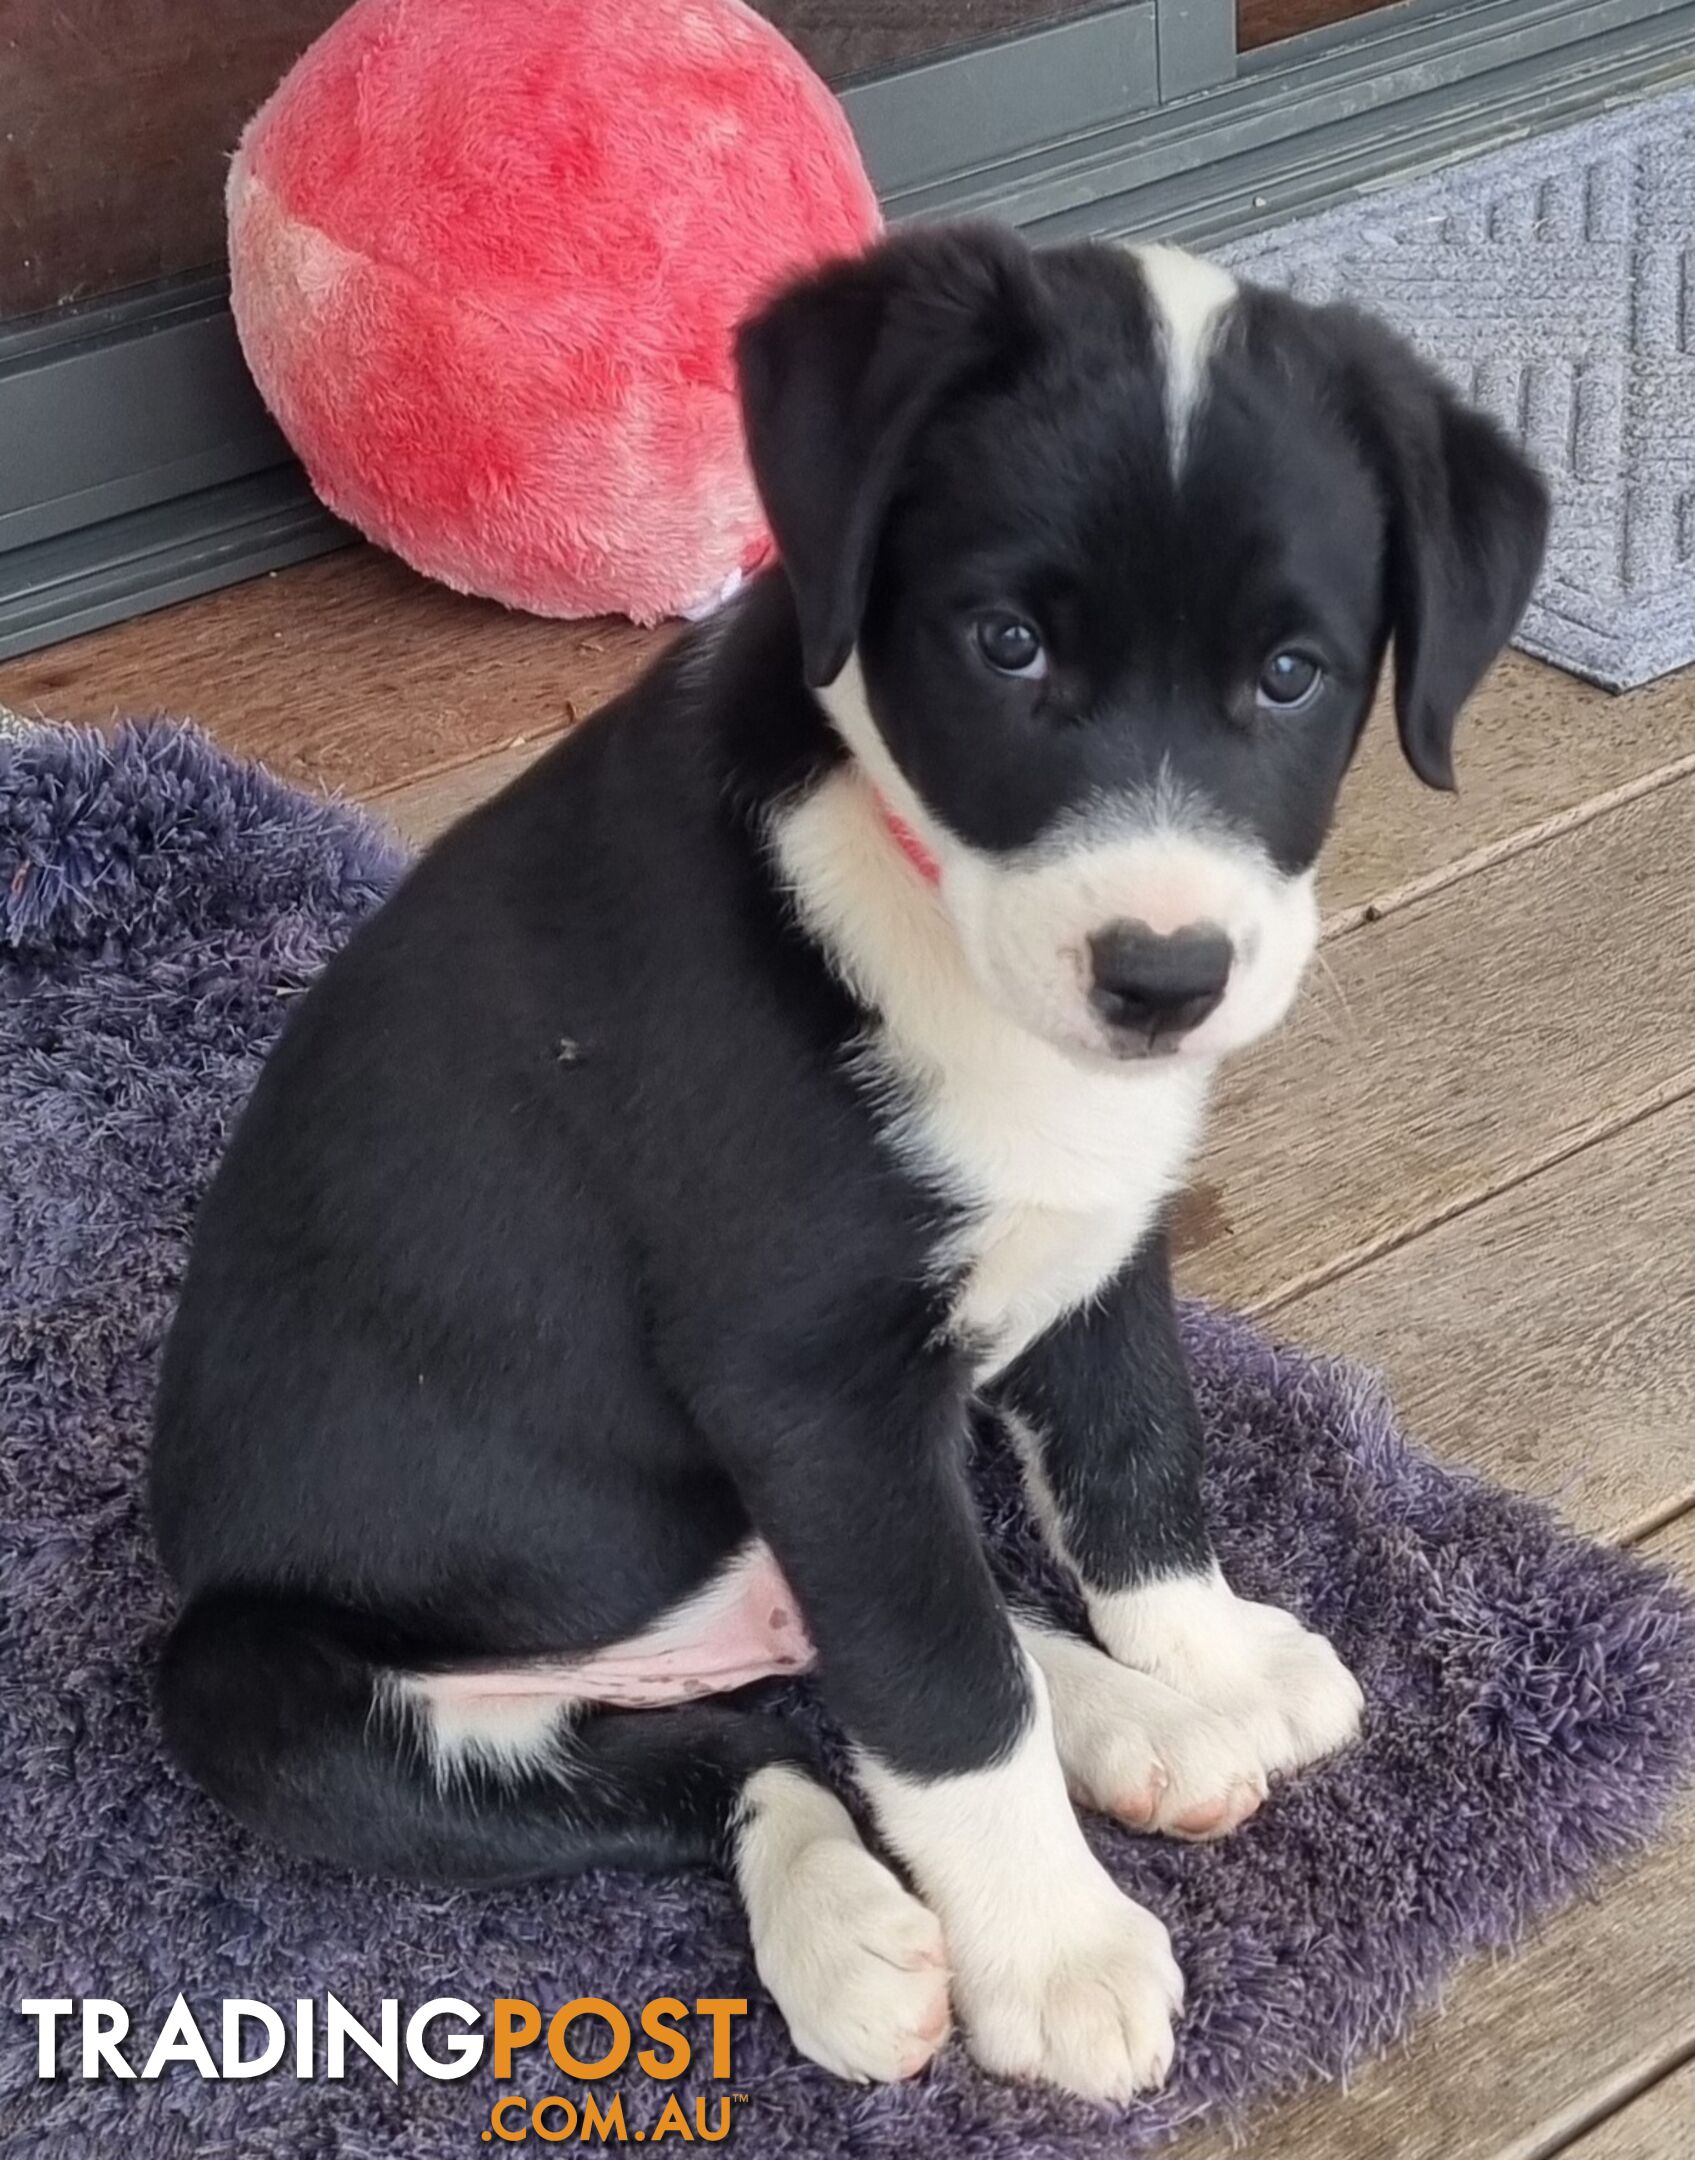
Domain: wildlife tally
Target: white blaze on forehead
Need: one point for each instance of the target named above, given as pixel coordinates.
(1190, 298)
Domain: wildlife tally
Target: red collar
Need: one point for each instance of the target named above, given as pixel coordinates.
(903, 836)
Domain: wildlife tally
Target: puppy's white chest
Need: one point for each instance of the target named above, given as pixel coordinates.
(1028, 1268)
(1059, 1167)
(1058, 1207)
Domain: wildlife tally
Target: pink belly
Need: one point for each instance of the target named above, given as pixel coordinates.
(744, 1626)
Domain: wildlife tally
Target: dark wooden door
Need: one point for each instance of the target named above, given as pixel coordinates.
(118, 120)
(1268, 22)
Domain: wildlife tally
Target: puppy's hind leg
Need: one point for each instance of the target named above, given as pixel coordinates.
(310, 1730)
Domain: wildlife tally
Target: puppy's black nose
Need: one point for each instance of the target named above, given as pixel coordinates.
(1157, 986)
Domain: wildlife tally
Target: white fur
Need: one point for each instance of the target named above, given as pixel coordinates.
(1026, 923)
(1134, 1748)
(511, 1734)
(1027, 1446)
(1026, 1267)
(856, 1965)
(1056, 1974)
(1191, 297)
(1283, 1690)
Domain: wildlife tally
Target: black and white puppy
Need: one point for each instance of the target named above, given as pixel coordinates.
(588, 1314)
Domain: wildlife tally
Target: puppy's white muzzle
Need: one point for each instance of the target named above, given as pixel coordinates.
(1164, 942)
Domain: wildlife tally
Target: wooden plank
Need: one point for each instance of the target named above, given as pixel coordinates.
(423, 808)
(1534, 746)
(1548, 1337)
(1657, 2125)
(1524, 2051)
(349, 673)
(1452, 1050)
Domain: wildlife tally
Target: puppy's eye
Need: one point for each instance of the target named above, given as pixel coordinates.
(1011, 646)
(1289, 680)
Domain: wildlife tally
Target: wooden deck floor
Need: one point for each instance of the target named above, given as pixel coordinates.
(1470, 1159)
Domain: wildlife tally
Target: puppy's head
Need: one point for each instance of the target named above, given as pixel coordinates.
(1096, 557)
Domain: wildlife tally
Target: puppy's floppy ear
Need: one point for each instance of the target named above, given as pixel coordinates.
(1468, 518)
(838, 374)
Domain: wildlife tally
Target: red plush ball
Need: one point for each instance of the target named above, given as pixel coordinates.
(486, 259)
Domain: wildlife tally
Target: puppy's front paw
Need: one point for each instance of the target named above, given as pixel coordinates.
(854, 1962)
(1085, 2002)
(857, 1967)
(1136, 1749)
(1057, 1976)
(1282, 1689)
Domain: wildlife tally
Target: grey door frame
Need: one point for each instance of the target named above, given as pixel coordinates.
(143, 469)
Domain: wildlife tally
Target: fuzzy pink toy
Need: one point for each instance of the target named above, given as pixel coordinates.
(486, 257)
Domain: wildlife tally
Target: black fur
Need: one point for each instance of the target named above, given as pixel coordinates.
(1107, 1395)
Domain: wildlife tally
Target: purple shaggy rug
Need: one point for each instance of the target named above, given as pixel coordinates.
(1532, 1695)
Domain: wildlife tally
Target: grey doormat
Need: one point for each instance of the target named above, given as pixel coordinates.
(1555, 282)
